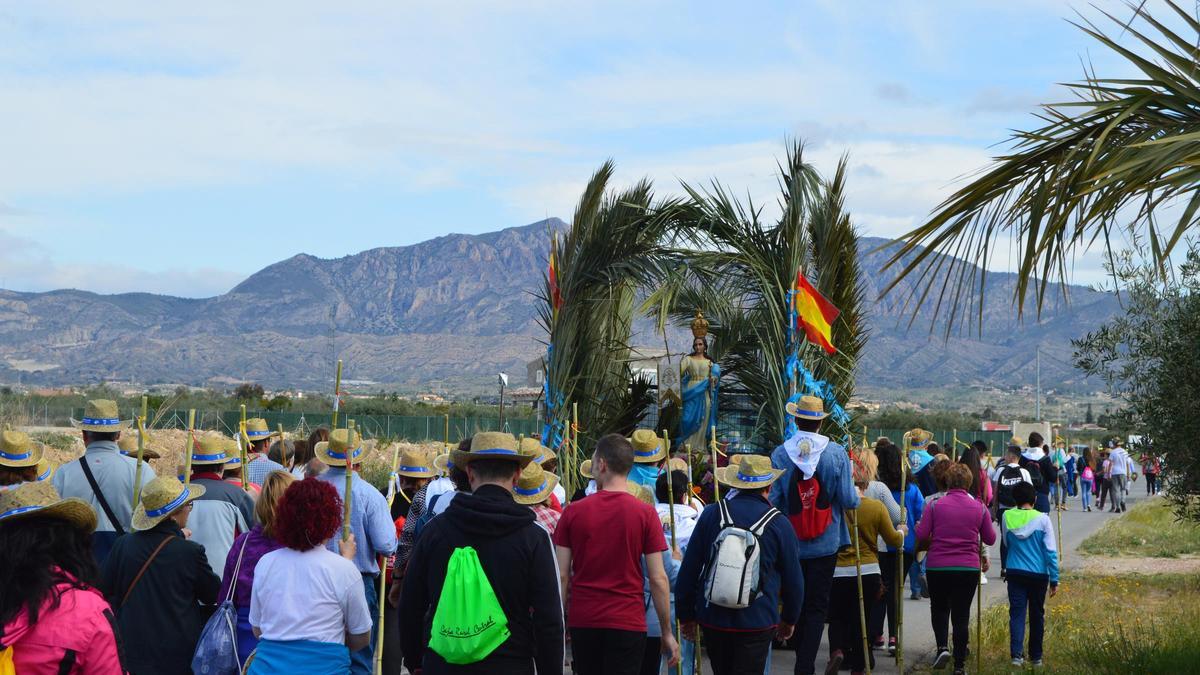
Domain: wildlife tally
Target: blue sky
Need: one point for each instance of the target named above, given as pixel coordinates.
(179, 147)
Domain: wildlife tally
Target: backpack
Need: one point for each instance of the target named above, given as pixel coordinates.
(217, 649)
(1035, 473)
(1006, 480)
(469, 623)
(808, 507)
(733, 567)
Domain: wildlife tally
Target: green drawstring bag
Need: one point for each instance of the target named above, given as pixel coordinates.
(468, 624)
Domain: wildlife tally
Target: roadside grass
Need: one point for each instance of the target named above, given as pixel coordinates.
(1148, 530)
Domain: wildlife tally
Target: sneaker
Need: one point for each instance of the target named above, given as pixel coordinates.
(835, 662)
(1018, 662)
(915, 596)
(877, 642)
(960, 671)
(943, 658)
(891, 646)
(1037, 663)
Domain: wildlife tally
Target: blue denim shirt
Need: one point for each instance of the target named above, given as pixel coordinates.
(370, 520)
(833, 472)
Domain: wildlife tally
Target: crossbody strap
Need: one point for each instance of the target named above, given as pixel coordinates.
(91, 479)
(237, 568)
(723, 508)
(146, 566)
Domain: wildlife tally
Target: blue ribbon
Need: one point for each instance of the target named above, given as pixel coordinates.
(208, 458)
(15, 458)
(100, 422)
(753, 479)
(647, 453)
(529, 493)
(494, 451)
(163, 510)
(811, 386)
(419, 469)
(19, 509)
(342, 455)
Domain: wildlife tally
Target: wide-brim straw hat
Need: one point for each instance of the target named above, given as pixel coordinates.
(535, 485)
(128, 446)
(640, 491)
(540, 453)
(647, 446)
(101, 415)
(45, 470)
(585, 469)
(443, 463)
(416, 463)
(18, 450)
(39, 498)
(807, 408)
(160, 498)
(211, 450)
(754, 472)
(257, 430)
(918, 438)
(343, 444)
(492, 445)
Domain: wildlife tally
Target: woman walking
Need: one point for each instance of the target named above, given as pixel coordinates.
(159, 582)
(1087, 477)
(53, 618)
(914, 505)
(1105, 478)
(308, 606)
(247, 550)
(981, 486)
(953, 528)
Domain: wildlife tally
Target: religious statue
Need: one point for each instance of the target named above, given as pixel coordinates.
(699, 377)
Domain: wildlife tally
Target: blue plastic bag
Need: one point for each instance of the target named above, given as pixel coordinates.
(216, 652)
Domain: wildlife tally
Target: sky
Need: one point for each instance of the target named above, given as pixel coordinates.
(180, 147)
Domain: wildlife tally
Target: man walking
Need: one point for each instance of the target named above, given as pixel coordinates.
(816, 486)
(370, 521)
(1122, 466)
(739, 640)
(516, 557)
(602, 543)
(103, 477)
(259, 465)
(1008, 477)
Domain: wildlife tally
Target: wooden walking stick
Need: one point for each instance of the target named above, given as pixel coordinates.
(862, 616)
(137, 474)
(900, 560)
(979, 613)
(337, 395)
(713, 447)
(350, 447)
(283, 451)
(671, 517)
(191, 445)
(243, 445)
(391, 497)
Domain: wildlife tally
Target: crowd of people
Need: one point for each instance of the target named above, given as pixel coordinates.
(490, 569)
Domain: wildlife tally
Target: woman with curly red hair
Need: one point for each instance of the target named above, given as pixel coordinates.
(308, 607)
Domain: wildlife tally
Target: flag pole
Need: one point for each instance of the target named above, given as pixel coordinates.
(337, 395)
(351, 446)
(137, 477)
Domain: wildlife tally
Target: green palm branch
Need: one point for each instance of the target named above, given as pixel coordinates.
(1109, 160)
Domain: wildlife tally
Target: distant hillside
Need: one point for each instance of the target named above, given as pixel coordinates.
(449, 312)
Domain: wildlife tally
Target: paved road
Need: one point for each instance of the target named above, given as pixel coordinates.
(918, 636)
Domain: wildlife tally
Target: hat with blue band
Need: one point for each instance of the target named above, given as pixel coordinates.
(18, 451)
(101, 415)
(160, 498)
(491, 445)
(343, 445)
(753, 472)
(258, 431)
(534, 485)
(416, 463)
(211, 449)
(39, 498)
(807, 408)
(648, 448)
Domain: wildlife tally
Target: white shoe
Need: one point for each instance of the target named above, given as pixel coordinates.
(982, 578)
(942, 659)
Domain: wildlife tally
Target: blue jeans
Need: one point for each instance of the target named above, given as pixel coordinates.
(1026, 593)
(914, 578)
(1086, 492)
(362, 661)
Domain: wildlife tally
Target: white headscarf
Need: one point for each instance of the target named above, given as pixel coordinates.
(804, 448)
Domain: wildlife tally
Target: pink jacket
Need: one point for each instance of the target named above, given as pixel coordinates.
(75, 637)
(953, 527)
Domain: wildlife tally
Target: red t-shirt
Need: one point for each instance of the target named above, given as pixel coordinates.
(608, 533)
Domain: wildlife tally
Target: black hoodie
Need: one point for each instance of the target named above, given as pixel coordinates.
(518, 558)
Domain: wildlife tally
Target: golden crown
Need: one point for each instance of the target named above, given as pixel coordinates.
(699, 325)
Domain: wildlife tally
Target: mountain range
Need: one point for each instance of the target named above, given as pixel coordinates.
(449, 313)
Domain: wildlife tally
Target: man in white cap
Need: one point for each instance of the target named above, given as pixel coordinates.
(103, 477)
(815, 488)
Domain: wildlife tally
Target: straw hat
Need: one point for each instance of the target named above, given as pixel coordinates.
(647, 446)
(39, 498)
(678, 464)
(919, 438)
(342, 443)
(492, 445)
(754, 472)
(534, 485)
(45, 470)
(18, 451)
(641, 492)
(442, 463)
(100, 415)
(210, 450)
(809, 408)
(128, 445)
(257, 430)
(533, 447)
(416, 463)
(585, 469)
(160, 498)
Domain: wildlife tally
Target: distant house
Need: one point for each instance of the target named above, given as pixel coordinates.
(995, 426)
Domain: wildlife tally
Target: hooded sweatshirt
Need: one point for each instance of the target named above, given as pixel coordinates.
(519, 561)
(77, 636)
(1032, 550)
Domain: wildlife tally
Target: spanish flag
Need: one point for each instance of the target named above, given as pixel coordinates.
(814, 314)
(556, 299)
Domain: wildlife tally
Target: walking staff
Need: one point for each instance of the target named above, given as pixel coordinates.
(862, 616)
(352, 446)
(900, 558)
(141, 452)
(671, 517)
(383, 573)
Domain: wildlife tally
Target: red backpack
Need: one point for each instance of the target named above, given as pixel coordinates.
(808, 507)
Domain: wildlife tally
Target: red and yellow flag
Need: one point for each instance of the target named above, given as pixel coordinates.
(814, 314)
(556, 299)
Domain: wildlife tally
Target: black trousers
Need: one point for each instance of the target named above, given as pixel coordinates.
(818, 579)
(607, 651)
(845, 627)
(731, 653)
(651, 656)
(885, 607)
(951, 593)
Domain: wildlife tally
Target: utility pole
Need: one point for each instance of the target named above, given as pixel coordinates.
(1039, 384)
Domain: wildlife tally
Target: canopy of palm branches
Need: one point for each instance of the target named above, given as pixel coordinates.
(1111, 159)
